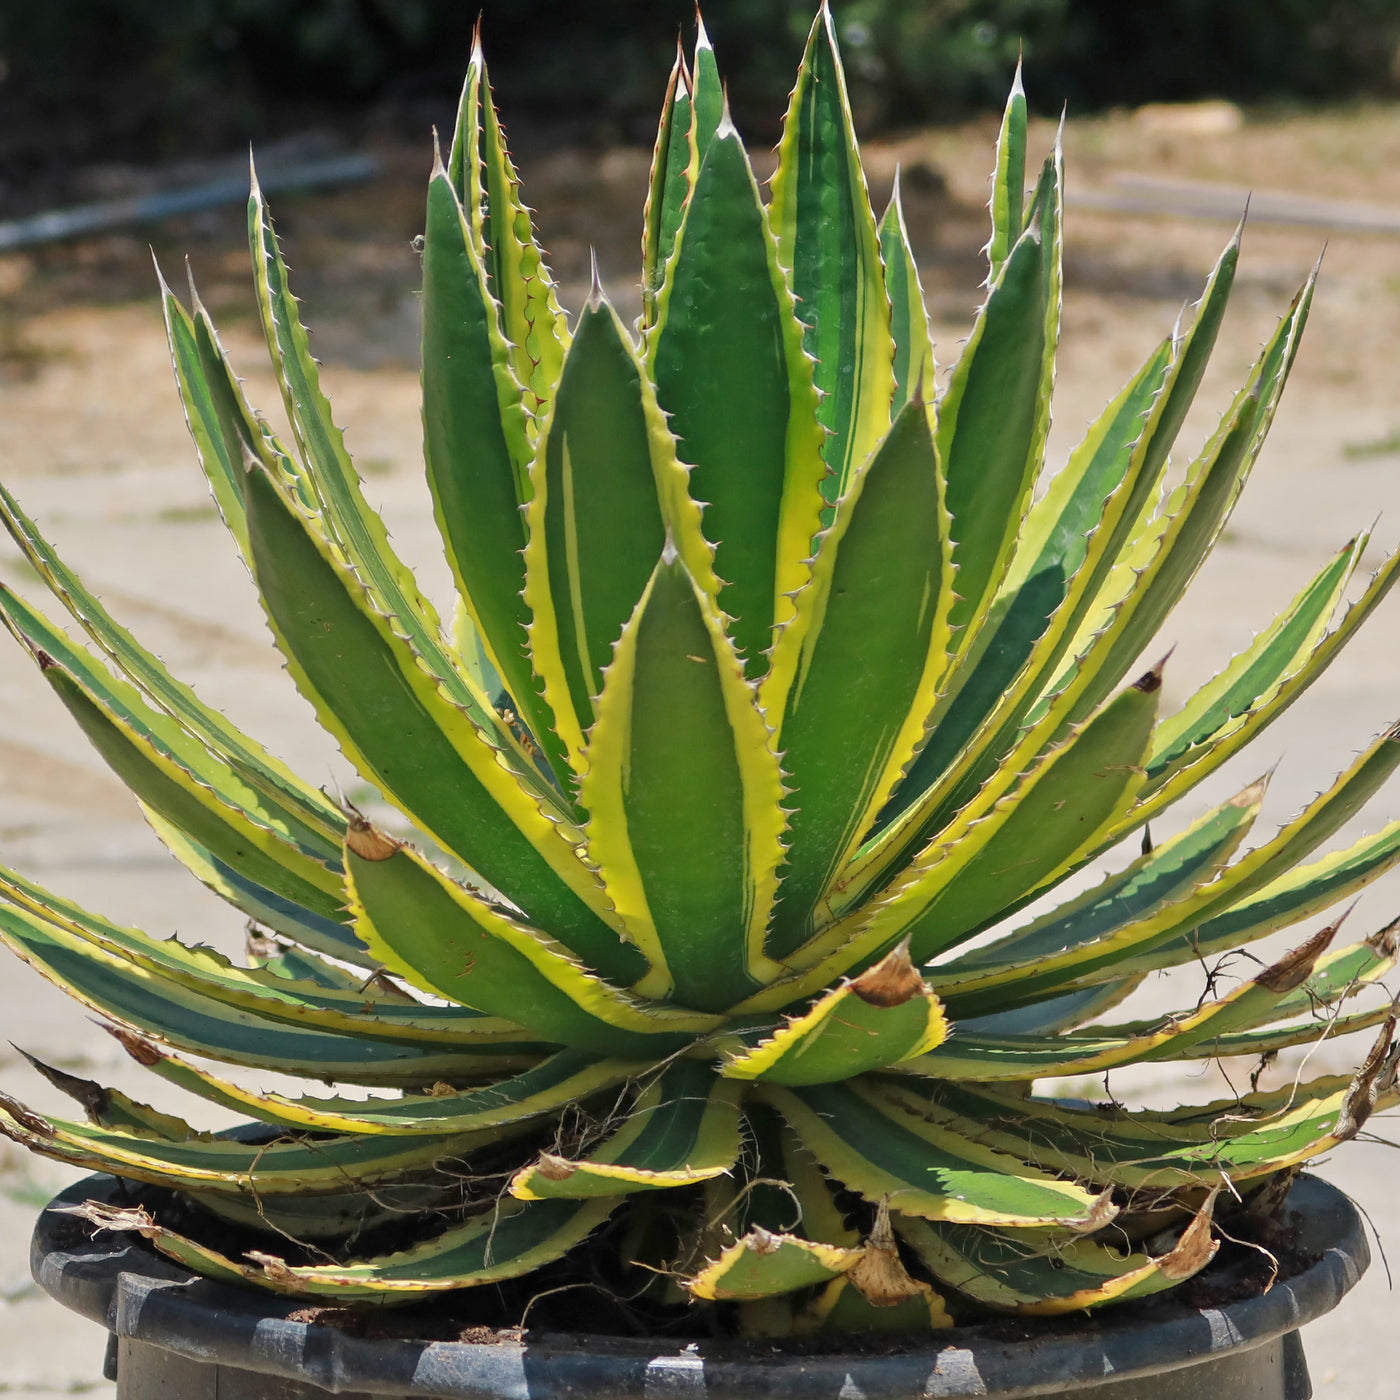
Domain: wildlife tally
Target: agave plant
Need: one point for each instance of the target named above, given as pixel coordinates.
(773, 695)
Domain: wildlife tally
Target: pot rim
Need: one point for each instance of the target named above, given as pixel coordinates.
(124, 1285)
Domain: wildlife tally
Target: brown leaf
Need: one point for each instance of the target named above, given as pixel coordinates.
(1195, 1249)
(892, 981)
(1377, 1071)
(26, 1117)
(1100, 1214)
(1293, 969)
(880, 1275)
(554, 1168)
(368, 842)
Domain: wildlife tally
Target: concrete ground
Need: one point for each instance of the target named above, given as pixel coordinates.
(92, 442)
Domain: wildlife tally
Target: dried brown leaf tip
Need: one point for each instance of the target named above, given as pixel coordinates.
(1376, 1074)
(892, 981)
(143, 1051)
(1266, 1204)
(368, 842)
(274, 1267)
(761, 1241)
(1386, 941)
(26, 1117)
(880, 1275)
(102, 1216)
(1151, 681)
(257, 944)
(1247, 797)
(1293, 969)
(96, 1101)
(554, 1168)
(1101, 1213)
(1195, 1249)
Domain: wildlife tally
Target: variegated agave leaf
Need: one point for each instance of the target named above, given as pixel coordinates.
(774, 692)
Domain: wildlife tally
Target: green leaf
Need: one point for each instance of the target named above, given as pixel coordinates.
(1129, 608)
(305, 813)
(1243, 1137)
(683, 1128)
(265, 907)
(694, 882)
(1008, 180)
(518, 279)
(1165, 874)
(1338, 975)
(859, 665)
(1167, 784)
(708, 94)
(883, 1017)
(545, 1088)
(344, 516)
(1059, 552)
(1134, 946)
(821, 217)
(334, 1218)
(110, 1108)
(224, 819)
(840, 1308)
(1270, 1040)
(959, 883)
(225, 430)
(111, 985)
(971, 735)
(218, 419)
(1161, 558)
(993, 419)
(228, 786)
(1098, 1048)
(782, 1153)
(1055, 1014)
(1096, 585)
(1043, 1274)
(348, 1005)
(1191, 522)
(1275, 652)
(763, 1264)
(508, 1239)
(914, 365)
(444, 939)
(668, 188)
(594, 520)
(876, 1149)
(1298, 893)
(283, 1167)
(727, 334)
(398, 728)
(1332, 976)
(476, 447)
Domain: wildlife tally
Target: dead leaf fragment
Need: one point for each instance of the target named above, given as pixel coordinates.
(880, 1275)
(892, 981)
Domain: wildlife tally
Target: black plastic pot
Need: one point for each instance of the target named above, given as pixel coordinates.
(180, 1337)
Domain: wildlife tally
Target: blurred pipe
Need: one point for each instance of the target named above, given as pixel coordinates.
(166, 204)
(1202, 199)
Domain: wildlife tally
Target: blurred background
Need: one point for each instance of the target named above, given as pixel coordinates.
(119, 79)
(113, 111)
(115, 79)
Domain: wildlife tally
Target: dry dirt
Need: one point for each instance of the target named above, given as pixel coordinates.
(92, 441)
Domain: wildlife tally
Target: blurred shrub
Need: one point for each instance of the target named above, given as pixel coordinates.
(87, 77)
(931, 58)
